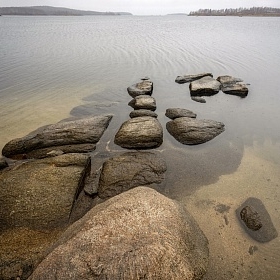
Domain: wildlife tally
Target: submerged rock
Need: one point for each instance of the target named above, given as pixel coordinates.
(205, 86)
(3, 163)
(174, 113)
(143, 102)
(143, 113)
(198, 99)
(129, 170)
(190, 131)
(139, 234)
(40, 194)
(142, 88)
(190, 78)
(255, 219)
(65, 136)
(140, 133)
(232, 85)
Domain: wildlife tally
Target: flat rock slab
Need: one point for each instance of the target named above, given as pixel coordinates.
(192, 131)
(139, 234)
(86, 131)
(198, 99)
(142, 88)
(40, 194)
(140, 133)
(143, 113)
(129, 170)
(189, 78)
(256, 221)
(205, 87)
(143, 102)
(174, 113)
(232, 85)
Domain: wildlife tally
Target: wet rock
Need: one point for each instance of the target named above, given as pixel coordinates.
(139, 234)
(143, 102)
(40, 194)
(174, 113)
(190, 78)
(232, 85)
(190, 131)
(3, 163)
(142, 88)
(130, 170)
(64, 135)
(255, 219)
(198, 99)
(140, 133)
(143, 113)
(205, 87)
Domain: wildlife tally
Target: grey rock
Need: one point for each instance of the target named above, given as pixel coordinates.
(3, 163)
(174, 113)
(143, 102)
(142, 88)
(129, 170)
(192, 131)
(40, 194)
(64, 135)
(140, 133)
(232, 85)
(143, 113)
(198, 99)
(256, 221)
(205, 86)
(189, 78)
(139, 234)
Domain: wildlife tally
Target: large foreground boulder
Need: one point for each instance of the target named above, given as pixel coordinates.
(255, 219)
(69, 137)
(190, 131)
(142, 88)
(40, 194)
(189, 78)
(140, 133)
(130, 170)
(139, 234)
(205, 86)
(143, 102)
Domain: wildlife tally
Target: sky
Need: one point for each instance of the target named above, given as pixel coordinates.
(143, 7)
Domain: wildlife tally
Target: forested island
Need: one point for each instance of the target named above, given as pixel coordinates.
(254, 11)
(52, 11)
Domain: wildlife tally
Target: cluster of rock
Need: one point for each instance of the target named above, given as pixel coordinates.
(186, 129)
(143, 130)
(205, 85)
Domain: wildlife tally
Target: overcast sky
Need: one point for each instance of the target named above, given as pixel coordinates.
(143, 7)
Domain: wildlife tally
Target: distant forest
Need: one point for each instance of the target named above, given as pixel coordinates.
(254, 11)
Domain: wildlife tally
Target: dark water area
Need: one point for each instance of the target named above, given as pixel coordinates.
(58, 67)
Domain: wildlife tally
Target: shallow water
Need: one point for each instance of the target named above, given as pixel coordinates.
(56, 67)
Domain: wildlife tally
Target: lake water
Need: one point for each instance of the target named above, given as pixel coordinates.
(56, 67)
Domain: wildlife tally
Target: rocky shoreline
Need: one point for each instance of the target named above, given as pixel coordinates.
(110, 223)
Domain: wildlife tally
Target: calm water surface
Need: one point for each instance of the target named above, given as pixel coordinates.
(56, 67)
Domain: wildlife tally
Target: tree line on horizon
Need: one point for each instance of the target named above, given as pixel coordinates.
(254, 11)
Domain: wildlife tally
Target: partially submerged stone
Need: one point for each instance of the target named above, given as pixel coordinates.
(143, 113)
(143, 102)
(130, 170)
(140, 133)
(198, 99)
(174, 113)
(232, 85)
(189, 78)
(205, 86)
(256, 221)
(139, 234)
(70, 136)
(142, 88)
(190, 131)
(40, 194)
(3, 163)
